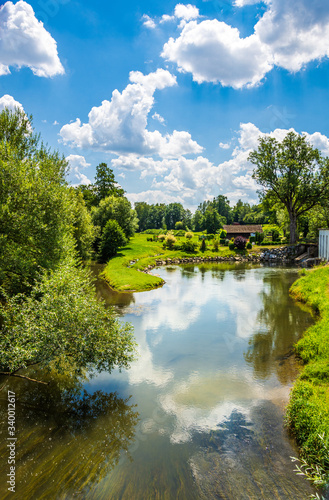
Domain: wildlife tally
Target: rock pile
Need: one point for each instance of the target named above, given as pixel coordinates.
(282, 254)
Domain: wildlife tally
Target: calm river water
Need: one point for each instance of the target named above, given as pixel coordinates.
(199, 415)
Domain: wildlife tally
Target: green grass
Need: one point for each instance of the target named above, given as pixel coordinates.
(123, 278)
(308, 409)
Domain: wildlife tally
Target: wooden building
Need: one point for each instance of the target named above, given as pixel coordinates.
(324, 244)
(246, 231)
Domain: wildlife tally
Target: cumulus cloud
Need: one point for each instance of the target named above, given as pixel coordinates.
(24, 42)
(224, 145)
(7, 101)
(76, 163)
(214, 52)
(289, 35)
(119, 125)
(148, 21)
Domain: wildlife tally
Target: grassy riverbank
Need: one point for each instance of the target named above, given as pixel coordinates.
(308, 410)
(122, 272)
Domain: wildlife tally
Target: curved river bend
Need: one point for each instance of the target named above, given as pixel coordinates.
(199, 415)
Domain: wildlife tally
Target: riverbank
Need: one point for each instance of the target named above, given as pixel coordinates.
(308, 410)
(130, 269)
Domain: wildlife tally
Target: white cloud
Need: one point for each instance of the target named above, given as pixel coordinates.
(77, 162)
(119, 125)
(148, 21)
(7, 101)
(186, 12)
(158, 117)
(24, 42)
(165, 18)
(153, 196)
(289, 35)
(224, 145)
(55, 122)
(214, 52)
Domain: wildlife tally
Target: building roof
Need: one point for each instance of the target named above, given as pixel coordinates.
(254, 228)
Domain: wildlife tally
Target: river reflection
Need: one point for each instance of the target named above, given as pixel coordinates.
(210, 385)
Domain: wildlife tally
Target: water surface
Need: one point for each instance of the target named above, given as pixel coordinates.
(199, 415)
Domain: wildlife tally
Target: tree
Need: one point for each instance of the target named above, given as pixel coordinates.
(118, 209)
(105, 184)
(174, 212)
(35, 211)
(212, 221)
(62, 320)
(112, 238)
(83, 228)
(292, 172)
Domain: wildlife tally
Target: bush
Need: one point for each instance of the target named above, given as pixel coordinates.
(223, 234)
(188, 246)
(179, 225)
(259, 237)
(170, 241)
(222, 241)
(112, 238)
(188, 235)
(179, 233)
(161, 237)
(203, 245)
(151, 231)
(227, 242)
(249, 246)
(231, 245)
(275, 235)
(216, 246)
(252, 239)
(210, 236)
(240, 242)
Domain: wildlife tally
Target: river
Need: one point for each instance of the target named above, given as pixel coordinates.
(200, 413)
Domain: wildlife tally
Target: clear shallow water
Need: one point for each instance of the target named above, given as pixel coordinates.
(198, 415)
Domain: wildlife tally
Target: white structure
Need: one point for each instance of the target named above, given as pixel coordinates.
(324, 244)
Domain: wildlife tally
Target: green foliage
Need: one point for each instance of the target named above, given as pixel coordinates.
(105, 185)
(222, 234)
(189, 235)
(291, 172)
(170, 241)
(161, 237)
(222, 241)
(84, 231)
(179, 225)
(231, 245)
(118, 209)
(203, 246)
(112, 239)
(62, 320)
(35, 207)
(308, 410)
(188, 246)
(216, 245)
(249, 246)
(179, 233)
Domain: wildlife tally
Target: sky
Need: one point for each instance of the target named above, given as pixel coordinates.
(172, 96)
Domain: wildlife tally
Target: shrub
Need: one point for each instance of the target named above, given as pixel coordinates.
(249, 246)
(222, 241)
(188, 246)
(210, 236)
(179, 233)
(151, 231)
(252, 239)
(203, 245)
(227, 242)
(179, 225)
(161, 237)
(240, 242)
(170, 241)
(275, 235)
(112, 238)
(216, 246)
(223, 234)
(188, 235)
(259, 237)
(231, 245)
(149, 239)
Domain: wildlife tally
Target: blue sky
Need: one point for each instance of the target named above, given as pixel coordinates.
(172, 96)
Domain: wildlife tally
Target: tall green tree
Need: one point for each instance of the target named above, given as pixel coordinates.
(118, 209)
(292, 172)
(105, 183)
